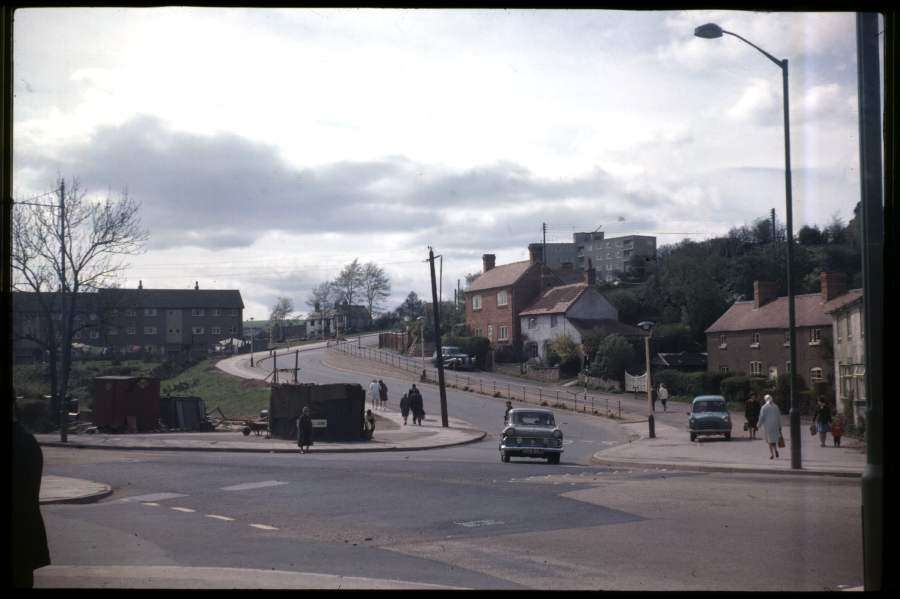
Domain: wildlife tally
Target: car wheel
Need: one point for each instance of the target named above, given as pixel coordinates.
(693, 437)
(504, 457)
(728, 436)
(553, 459)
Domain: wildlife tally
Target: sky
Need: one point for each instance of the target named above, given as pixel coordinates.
(271, 147)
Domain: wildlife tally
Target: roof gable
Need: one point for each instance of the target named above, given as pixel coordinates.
(556, 300)
(504, 275)
(742, 316)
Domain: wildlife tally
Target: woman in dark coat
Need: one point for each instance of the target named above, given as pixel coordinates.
(304, 430)
(416, 405)
(404, 407)
(29, 537)
(823, 419)
(751, 413)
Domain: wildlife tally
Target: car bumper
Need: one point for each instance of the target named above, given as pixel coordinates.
(709, 431)
(516, 450)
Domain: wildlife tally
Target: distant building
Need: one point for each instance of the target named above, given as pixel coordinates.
(848, 331)
(607, 256)
(157, 321)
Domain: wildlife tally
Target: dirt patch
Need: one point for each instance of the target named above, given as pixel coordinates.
(253, 383)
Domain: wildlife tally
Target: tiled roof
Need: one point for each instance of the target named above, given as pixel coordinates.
(176, 298)
(500, 276)
(843, 301)
(684, 359)
(556, 300)
(741, 316)
(606, 326)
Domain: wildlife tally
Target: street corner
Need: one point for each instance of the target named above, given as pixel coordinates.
(60, 489)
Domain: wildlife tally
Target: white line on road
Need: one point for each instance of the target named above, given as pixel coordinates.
(150, 503)
(479, 523)
(183, 509)
(226, 518)
(153, 497)
(259, 485)
(263, 526)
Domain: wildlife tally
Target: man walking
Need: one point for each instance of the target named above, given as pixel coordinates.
(663, 396)
(382, 394)
(416, 405)
(374, 393)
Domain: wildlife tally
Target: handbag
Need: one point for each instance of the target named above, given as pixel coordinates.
(812, 429)
(746, 426)
(780, 440)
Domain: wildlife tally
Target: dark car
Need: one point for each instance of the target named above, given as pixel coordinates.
(454, 358)
(709, 416)
(531, 433)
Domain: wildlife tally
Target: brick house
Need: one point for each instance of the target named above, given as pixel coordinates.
(847, 312)
(751, 337)
(574, 310)
(495, 298)
(158, 321)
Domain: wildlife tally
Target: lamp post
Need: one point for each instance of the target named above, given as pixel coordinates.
(421, 322)
(711, 31)
(651, 421)
(252, 335)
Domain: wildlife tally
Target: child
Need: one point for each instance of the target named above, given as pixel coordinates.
(837, 429)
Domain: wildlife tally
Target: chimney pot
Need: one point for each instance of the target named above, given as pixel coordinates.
(196, 284)
(140, 284)
(488, 261)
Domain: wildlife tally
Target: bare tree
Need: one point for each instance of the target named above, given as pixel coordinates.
(349, 282)
(376, 286)
(282, 309)
(64, 250)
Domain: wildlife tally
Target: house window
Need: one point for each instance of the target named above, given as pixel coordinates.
(532, 349)
(197, 330)
(476, 302)
(552, 320)
(216, 312)
(756, 369)
(130, 313)
(787, 367)
(723, 369)
(149, 311)
(502, 298)
(787, 338)
(849, 329)
(754, 339)
(233, 330)
(815, 336)
(490, 334)
(837, 330)
(532, 322)
(503, 333)
(815, 375)
(217, 330)
(196, 311)
(93, 316)
(723, 341)
(130, 331)
(478, 332)
(149, 330)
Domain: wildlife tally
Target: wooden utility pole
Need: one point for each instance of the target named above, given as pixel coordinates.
(63, 409)
(437, 340)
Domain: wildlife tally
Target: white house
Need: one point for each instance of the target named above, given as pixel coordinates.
(846, 312)
(572, 310)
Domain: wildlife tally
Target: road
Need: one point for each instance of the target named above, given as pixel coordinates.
(453, 517)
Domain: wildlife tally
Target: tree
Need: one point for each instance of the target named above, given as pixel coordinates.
(323, 297)
(62, 251)
(282, 309)
(376, 286)
(614, 355)
(411, 308)
(349, 283)
(810, 235)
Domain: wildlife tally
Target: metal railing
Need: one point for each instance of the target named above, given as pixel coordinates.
(577, 401)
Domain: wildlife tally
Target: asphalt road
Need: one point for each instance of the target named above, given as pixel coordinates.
(455, 517)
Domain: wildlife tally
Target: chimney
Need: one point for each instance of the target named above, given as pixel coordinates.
(488, 262)
(590, 275)
(534, 252)
(833, 285)
(140, 284)
(763, 293)
(196, 284)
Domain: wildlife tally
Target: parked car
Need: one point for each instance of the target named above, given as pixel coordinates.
(454, 358)
(709, 416)
(531, 433)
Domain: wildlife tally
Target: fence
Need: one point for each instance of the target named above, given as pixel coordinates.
(574, 400)
(636, 383)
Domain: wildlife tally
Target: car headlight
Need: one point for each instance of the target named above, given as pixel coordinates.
(510, 432)
(557, 433)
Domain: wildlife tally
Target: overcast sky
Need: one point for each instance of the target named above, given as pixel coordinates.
(269, 148)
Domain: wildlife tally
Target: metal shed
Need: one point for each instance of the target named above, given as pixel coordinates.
(337, 410)
(126, 402)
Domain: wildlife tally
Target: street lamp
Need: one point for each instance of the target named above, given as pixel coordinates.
(252, 335)
(711, 31)
(651, 423)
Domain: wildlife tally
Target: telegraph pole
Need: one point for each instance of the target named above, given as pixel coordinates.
(437, 340)
(63, 409)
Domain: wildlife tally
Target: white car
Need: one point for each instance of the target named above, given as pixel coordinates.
(531, 433)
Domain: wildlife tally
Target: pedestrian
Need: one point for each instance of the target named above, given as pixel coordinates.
(369, 424)
(770, 422)
(382, 394)
(653, 397)
(374, 393)
(837, 430)
(416, 405)
(29, 537)
(822, 419)
(304, 430)
(751, 413)
(404, 407)
(663, 396)
(509, 407)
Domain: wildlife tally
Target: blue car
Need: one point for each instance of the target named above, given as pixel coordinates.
(709, 416)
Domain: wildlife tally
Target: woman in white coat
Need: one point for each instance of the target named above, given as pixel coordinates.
(770, 423)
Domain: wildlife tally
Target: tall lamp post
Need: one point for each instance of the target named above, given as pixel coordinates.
(651, 421)
(252, 335)
(711, 31)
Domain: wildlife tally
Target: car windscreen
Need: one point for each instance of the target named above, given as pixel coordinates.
(710, 406)
(533, 419)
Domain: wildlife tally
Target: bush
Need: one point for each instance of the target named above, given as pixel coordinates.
(736, 388)
(36, 415)
(509, 354)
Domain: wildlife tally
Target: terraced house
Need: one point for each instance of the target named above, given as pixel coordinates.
(157, 321)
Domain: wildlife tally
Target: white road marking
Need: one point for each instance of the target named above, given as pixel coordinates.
(183, 509)
(153, 497)
(263, 526)
(479, 523)
(226, 518)
(150, 503)
(259, 485)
